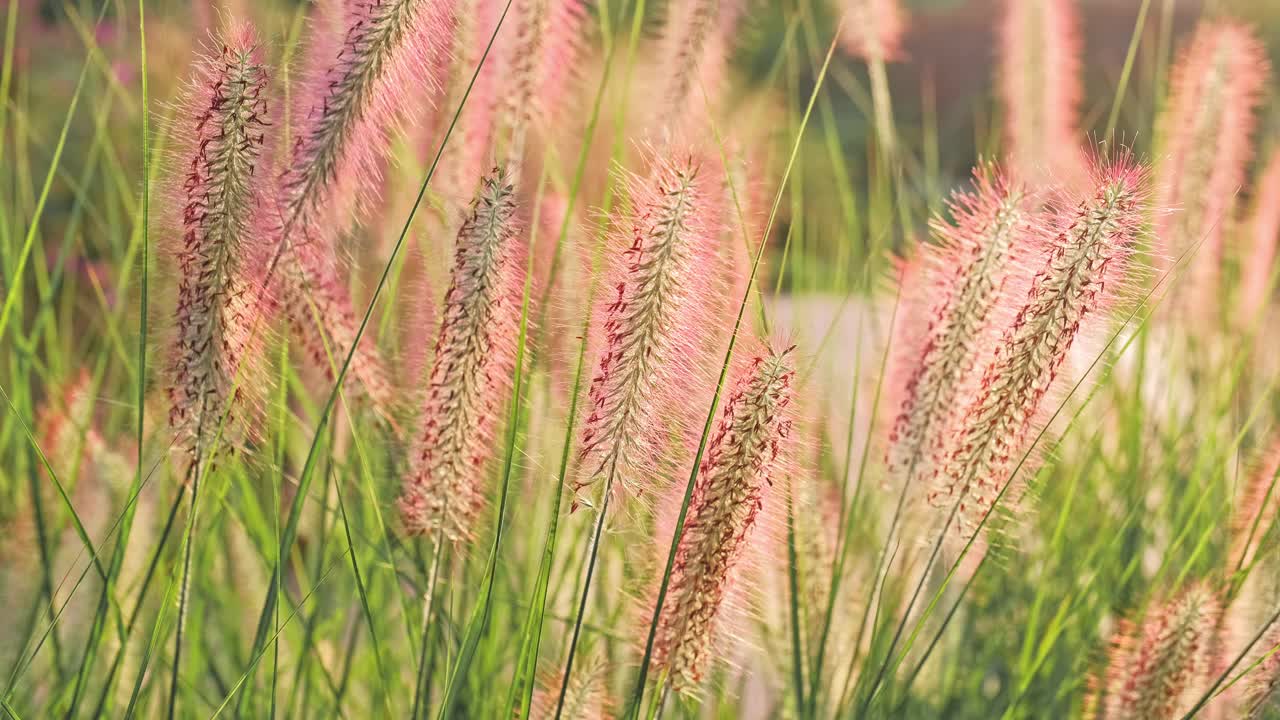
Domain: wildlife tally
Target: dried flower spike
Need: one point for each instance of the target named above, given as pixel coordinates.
(471, 373)
(963, 280)
(734, 479)
(648, 331)
(1084, 265)
(1040, 80)
(1153, 664)
(219, 294)
(1205, 135)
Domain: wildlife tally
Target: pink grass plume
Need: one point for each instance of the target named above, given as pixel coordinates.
(219, 250)
(647, 317)
(470, 379)
(363, 56)
(872, 29)
(1040, 80)
(1259, 264)
(1154, 663)
(745, 458)
(962, 280)
(1205, 143)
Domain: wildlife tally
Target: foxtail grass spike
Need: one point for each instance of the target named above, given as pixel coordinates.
(220, 251)
(542, 67)
(470, 378)
(646, 304)
(355, 98)
(1204, 137)
(1154, 663)
(963, 280)
(1084, 266)
(364, 55)
(1040, 77)
(734, 482)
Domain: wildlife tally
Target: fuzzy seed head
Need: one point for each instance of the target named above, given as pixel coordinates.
(1040, 79)
(872, 29)
(219, 294)
(1084, 263)
(356, 98)
(470, 379)
(1153, 664)
(1205, 132)
(734, 479)
(646, 325)
(966, 272)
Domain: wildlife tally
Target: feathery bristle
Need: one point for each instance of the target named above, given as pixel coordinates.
(220, 253)
(966, 273)
(1085, 264)
(1260, 264)
(1205, 133)
(733, 481)
(872, 29)
(1154, 663)
(1041, 81)
(648, 330)
(471, 373)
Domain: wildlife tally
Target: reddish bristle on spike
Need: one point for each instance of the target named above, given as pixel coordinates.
(734, 483)
(1084, 266)
(470, 379)
(1154, 663)
(222, 208)
(1205, 138)
(1041, 82)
